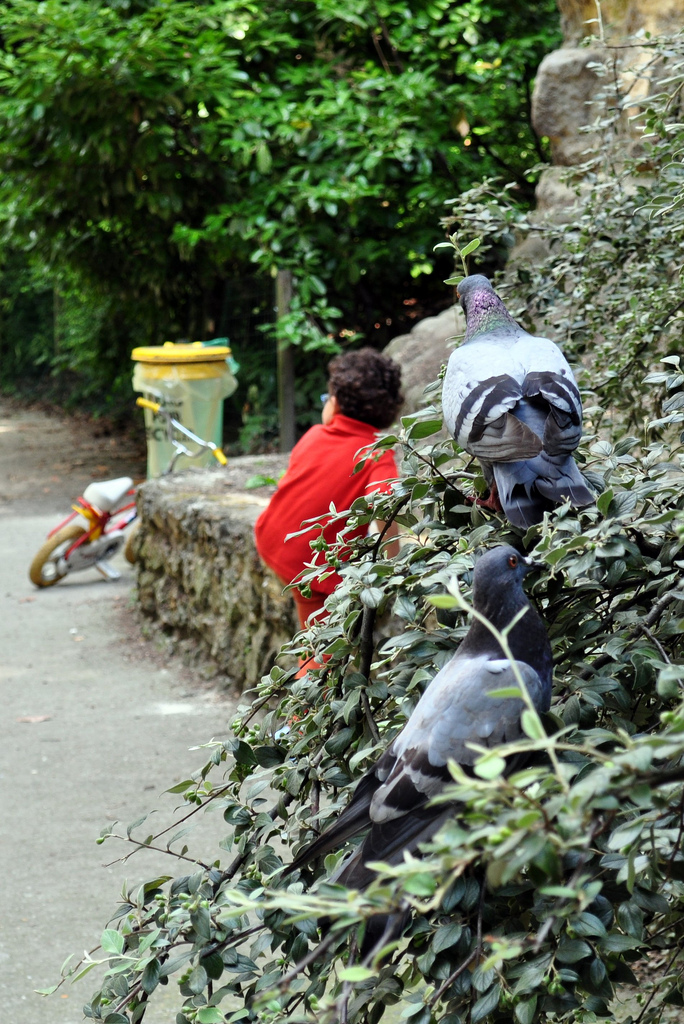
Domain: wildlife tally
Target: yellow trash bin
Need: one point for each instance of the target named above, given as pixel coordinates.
(191, 382)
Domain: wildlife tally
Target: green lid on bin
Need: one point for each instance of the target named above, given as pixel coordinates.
(181, 352)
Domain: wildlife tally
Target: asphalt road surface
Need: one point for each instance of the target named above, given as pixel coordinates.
(96, 723)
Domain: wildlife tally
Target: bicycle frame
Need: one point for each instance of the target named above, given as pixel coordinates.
(96, 519)
(174, 427)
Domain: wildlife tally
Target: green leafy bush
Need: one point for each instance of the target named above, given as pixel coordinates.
(549, 884)
(552, 890)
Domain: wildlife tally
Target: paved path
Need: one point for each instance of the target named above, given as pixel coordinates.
(118, 721)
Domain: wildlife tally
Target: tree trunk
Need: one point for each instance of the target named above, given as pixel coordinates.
(286, 379)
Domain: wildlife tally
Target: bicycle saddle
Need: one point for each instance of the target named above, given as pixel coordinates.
(106, 494)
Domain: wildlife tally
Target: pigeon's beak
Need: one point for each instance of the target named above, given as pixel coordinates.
(531, 563)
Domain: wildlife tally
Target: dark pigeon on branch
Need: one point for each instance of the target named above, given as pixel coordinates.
(511, 400)
(391, 799)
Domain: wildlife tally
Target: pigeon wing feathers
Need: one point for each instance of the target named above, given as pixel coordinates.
(547, 373)
(388, 843)
(482, 422)
(455, 710)
(353, 819)
(478, 405)
(563, 428)
(469, 370)
(503, 439)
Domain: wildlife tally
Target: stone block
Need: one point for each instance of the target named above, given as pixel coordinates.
(562, 103)
(422, 352)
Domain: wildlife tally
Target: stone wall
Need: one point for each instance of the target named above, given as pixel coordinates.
(620, 18)
(567, 83)
(199, 576)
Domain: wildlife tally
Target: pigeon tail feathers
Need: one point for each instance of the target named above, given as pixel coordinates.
(530, 488)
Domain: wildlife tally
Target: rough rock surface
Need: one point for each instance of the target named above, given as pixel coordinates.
(621, 18)
(566, 85)
(199, 575)
(562, 102)
(422, 352)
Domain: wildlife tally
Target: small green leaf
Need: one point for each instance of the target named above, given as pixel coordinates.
(572, 950)
(485, 1004)
(201, 922)
(614, 942)
(446, 936)
(340, 741)
(210, 1015)
(470, 247)
(371, 596)
(180, 787)
(197, 980)
(597, 971)
(491, 766)
(424, 428)
(442, 601)
(525, 1010)
(531, 724)
(269, 757)
(135, 824)
(533, 974)
(420, 884)
(356, 974)
(604, 500)
(112, 941)
(150, 976)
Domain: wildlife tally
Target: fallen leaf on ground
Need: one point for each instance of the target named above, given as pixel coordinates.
(32, 719)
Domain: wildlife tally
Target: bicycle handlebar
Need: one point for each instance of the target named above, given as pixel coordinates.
(145, 403)
(156, 407)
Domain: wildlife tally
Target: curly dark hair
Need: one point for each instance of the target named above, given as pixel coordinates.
(367, 386)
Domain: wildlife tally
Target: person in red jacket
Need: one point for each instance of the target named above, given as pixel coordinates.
(364, 395)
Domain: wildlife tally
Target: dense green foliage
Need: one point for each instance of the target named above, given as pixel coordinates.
(552, 888)
(158, 156)
(581, 853)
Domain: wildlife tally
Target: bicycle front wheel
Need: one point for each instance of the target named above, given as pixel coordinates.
(44, 571)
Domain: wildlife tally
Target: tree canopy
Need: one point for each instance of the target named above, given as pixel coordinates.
(152, 151)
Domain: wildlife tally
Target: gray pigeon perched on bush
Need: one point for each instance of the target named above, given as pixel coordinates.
(511, 400)
(391, 799)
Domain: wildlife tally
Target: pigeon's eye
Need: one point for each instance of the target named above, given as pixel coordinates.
(512, 561)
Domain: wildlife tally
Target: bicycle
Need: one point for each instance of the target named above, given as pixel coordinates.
(103, 516)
